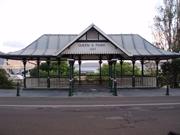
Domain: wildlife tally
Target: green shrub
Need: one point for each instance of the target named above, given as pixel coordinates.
(171, 73)
(4, 82)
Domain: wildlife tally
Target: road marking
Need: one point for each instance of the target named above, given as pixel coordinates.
(91, 106)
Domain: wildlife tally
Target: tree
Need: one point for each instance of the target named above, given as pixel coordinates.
(167, 32)
(166, 26)
(4, 82)
(43, 69)
(177, 45)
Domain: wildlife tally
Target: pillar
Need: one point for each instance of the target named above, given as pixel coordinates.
(114, 77)
(58, 67)
(100, 73)
(71, 66)
(121, 71)
(79, 62)
(110, 73)
(133, 74)
(48, 77)
(142, 72)
(167, 79)
(73, 69)
(38, 63)
(114, 69)
(24, 73)
(157, 73)
(38, 75)
(121, 64)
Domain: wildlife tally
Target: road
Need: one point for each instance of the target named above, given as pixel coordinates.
(89, 115)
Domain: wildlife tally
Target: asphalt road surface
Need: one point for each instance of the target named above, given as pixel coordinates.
(89, 115)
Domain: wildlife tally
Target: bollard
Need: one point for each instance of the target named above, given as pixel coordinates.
(167, 90)
(18, 89)
(115, 88)
(111, 84)
(70, 88)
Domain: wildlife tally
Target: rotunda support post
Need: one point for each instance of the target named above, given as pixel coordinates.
(142, 72)
(79, 74)
(38, 74)
(48, 72)
(100, 72)
(24, 72)
(157, 73)
(133, 73)
(71, 68)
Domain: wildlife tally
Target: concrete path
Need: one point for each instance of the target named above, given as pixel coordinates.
(96, 93)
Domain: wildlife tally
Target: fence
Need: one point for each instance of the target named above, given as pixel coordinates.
(42, 82)
(91, 80)
(62, 83)
(140, 82)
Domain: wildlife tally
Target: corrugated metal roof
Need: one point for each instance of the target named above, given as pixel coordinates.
(46, 45)
(138, 46)
(131, 45)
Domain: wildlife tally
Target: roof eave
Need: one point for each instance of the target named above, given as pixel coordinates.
(154, 57)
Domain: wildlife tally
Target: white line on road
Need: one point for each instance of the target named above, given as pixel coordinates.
(86, 106)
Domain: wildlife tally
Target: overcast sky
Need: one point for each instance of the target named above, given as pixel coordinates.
(23, 21)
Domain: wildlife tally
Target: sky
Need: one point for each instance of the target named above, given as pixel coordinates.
(23, 21)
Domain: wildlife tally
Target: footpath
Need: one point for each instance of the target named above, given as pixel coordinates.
(94, 93)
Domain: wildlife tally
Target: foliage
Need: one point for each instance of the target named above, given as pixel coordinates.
(43, 69)
(126, 69)
(166, 26)
(4, 82)
(171, 72)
